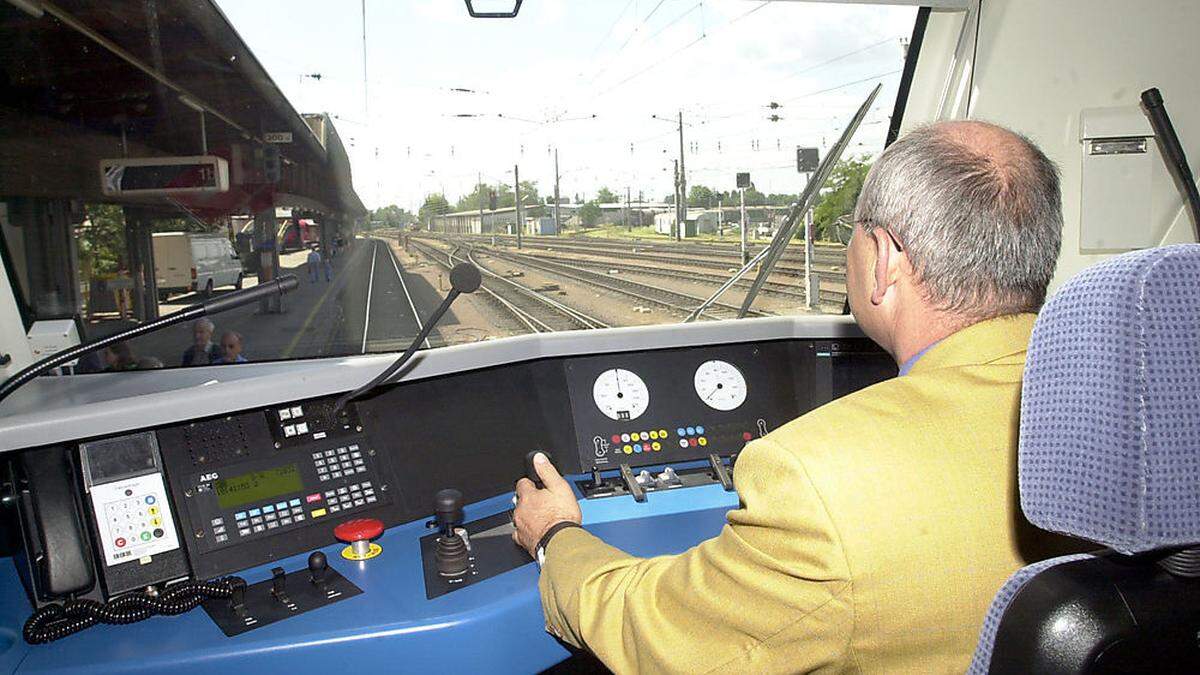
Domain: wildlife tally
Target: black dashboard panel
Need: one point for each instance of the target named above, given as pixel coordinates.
(259, 485)
(681, 404)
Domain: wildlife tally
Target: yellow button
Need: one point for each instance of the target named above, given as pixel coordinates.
(662, 433)
(156, 521)
(654, 435)
(628, 449)
(154, 510)
(703, 441)
(656, 445)
(317, 513)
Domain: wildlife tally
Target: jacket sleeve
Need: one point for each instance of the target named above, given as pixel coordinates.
(773, 585)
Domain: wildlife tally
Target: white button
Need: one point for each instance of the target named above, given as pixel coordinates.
(302, 428)
(285, 414)
(297, 411)
(289, 431)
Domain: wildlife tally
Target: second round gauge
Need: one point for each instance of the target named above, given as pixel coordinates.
(720, 385)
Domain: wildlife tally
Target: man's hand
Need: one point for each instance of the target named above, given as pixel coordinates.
(538, 510)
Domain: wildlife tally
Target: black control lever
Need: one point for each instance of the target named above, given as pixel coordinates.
(464, 278)
(318, 566)
(279, 587)
(720, 472)
(635, 488)
(237, 598)
(531, 470)
(448, 510)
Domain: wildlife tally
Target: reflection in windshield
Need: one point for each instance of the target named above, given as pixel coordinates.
(603, 164)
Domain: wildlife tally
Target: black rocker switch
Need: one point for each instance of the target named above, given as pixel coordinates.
(531, 471)
(597, 479)
(279, 585)
(720, 472)
(318, 565)
(635, 488)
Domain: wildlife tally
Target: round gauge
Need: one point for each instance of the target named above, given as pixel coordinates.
(720, 385)
(620, 394)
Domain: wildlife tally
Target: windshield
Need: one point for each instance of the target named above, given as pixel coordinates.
(603, 163)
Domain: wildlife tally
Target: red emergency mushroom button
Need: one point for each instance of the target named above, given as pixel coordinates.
(359, 533)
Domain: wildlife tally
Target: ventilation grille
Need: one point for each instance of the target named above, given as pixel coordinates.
(216, 441)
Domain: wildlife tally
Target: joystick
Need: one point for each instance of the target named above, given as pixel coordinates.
(451, 552)
(318, 566)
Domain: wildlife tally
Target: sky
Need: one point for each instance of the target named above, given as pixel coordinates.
(603, 81)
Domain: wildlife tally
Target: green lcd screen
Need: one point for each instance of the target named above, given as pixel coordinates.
(257, 486)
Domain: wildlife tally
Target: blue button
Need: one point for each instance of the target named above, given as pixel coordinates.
(255, 512)
(281, 506)
(691, 431)
(294, 502)
(150, 499)
(637, 447)
(700, 430)
(681, 431)
(269, 508)
(240, 515)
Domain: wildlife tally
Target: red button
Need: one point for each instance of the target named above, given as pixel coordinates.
(358, 530)
(692, 442)
(120, 542)
(746, 436)
(312, 498)
(616, 438)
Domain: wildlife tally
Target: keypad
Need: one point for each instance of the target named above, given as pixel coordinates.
(341, 462)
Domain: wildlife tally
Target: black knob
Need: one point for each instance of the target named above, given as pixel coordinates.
(531, 471)
(448, 509)
(318, 565)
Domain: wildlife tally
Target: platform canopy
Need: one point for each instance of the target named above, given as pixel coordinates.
(82, 81)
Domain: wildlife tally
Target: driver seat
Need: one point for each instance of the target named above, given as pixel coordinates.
(1110, 452)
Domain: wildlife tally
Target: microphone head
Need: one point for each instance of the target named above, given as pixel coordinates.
(465, 278)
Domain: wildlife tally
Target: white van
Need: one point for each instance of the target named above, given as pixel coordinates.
(187, 261)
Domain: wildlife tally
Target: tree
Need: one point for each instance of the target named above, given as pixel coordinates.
(606, 196)
(701, 196)
(435, 205)
(392, 216)
(589, 214)
(843, 186)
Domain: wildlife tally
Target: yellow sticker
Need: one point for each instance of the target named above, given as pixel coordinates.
(349, 554)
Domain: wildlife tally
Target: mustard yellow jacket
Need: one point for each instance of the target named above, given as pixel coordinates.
(871, 536)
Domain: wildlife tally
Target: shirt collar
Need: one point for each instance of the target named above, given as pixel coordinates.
(912, 360)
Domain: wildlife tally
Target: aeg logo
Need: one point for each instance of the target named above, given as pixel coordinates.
(205, 477)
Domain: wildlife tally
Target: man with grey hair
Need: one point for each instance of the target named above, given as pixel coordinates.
(872, 532)
(203, 351)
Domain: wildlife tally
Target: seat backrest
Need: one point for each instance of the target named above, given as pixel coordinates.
(1109, 452)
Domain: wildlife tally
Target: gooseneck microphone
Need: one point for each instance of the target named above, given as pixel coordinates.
(214, 306)
(464, 278)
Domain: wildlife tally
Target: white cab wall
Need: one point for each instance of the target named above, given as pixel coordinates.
(1040, 62)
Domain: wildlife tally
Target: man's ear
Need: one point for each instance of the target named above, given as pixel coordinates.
(886, 264)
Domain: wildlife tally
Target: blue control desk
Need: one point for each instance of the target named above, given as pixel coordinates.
(494, 625)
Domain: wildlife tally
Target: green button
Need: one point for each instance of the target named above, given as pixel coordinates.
(145, 536)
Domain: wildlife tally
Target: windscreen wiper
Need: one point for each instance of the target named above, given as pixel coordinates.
(774, 251)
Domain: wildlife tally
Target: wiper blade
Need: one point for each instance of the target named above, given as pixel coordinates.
(774, 251)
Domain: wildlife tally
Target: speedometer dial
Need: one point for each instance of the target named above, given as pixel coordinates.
(620, 394)
(720, 385)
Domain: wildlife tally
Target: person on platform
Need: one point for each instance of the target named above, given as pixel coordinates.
(873, 532)
(231, 349)
(327, 265)
(203, 350)
(314, 265)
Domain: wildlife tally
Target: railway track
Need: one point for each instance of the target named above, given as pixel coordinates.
(674, 301)
(826, 259)
(709, 260)
(535, 311)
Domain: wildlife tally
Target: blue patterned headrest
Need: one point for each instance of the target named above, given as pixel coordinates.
(1110, 408)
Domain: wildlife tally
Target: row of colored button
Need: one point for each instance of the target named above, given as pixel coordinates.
(693, 442)
(120, 542)
(653, 446)
(269, 508)
(690, 431)
(634, 437)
